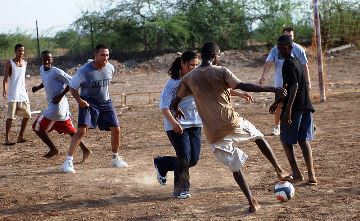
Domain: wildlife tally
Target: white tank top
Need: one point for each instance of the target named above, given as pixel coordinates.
(16, 86)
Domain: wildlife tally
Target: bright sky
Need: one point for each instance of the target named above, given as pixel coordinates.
(52, 15)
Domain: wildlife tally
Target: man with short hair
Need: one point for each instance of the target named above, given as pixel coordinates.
(276, 58)
(210, 86)
(95, 105)
(14, 89)
(57, 115)
(296, 117)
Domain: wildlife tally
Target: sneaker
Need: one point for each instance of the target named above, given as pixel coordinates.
(183, 195)
(67, 167)
(118, 162)
(161, 179)
(275, 131)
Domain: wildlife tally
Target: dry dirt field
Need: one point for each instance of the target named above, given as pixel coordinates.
(32, 188)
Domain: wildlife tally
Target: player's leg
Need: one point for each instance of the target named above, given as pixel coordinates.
(195, 144)
(290, 154)
(21, 138)
(107, 120)
(307, 153)
(7, 131)
(23, 110)
(68, 128)
(276, 129)
(234, 158)
(289, 137)
(269, 154)
(240, 180)
(76, 139)
(41, 126)
(306, 133)
(53, 151)
(10, 117)
(181, 144)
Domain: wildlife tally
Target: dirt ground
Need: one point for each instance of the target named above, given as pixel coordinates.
(32, 188)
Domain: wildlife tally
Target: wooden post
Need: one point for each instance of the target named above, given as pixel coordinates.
(319, 51)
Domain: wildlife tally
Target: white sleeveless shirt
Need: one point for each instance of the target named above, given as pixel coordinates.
(16, 87)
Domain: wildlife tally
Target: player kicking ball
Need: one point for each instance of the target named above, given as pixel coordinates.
(57, 115)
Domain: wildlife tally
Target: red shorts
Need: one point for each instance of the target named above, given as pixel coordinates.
(43, 124)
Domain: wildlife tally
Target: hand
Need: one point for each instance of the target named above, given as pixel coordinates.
(286, 117)
(179, 114)
(247, 97)
(57, 99)
(309, 86)
(4, 93)
(280, 91)
(177, 128)
(83, 104)
(261, 80)
(273, 107)
(34, 89)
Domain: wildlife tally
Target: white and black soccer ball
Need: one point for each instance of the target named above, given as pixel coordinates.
(284, 191)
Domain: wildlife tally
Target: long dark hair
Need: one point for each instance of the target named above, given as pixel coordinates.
(175, 68)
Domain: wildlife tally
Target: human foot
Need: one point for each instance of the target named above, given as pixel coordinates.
(283, 176)
(9, 143)
(254, 206)
(51, 154)
(86, 154)
(21, 140)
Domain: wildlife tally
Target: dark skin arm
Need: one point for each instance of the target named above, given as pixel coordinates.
(36, 88)
(174, 107)
(58, 97)
(274, 106)
(292, 93)
(280, 91)
(7, 74)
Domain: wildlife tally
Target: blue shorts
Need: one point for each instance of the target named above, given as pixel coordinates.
(98, 114)
(301, 128)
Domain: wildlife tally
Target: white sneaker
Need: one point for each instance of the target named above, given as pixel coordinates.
(118, 162)
(275, 131)
(183, 195)
(67, 167)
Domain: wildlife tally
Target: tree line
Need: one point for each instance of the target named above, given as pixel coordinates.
(133, 27)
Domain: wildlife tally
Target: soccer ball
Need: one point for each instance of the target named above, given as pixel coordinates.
(284, 191)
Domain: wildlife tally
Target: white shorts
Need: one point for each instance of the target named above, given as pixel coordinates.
(230, 156)
(20, 109)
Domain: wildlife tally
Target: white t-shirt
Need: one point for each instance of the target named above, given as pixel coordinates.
(55, 80)
(297, 51)
(16, 87)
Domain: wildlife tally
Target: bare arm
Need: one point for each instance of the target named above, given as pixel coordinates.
(175, 124)
(292, 93)
(246, 96)
(307, 76)
(58, 97)
(267, 66)
(257, 88)
(7, 74)
(36, 88)
(75, 93)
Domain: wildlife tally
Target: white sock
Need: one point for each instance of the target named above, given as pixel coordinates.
(70, 158)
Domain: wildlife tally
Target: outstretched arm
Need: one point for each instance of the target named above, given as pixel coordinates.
(58, 97)
(280, 91)
(246, 96)
(36, 88)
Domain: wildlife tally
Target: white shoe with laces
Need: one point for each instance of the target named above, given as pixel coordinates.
(118, 162)
(275, 131)
(67, 167)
